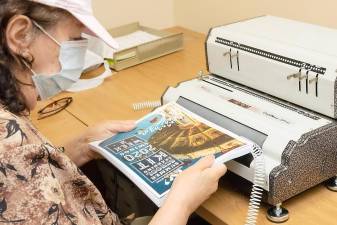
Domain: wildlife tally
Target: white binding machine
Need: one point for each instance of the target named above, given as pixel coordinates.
(273, 81)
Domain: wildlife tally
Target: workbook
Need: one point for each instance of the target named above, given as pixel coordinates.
(166, 142)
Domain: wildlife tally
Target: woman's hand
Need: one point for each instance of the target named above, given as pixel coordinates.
(190, 189)
(78, 150)
(196, 184)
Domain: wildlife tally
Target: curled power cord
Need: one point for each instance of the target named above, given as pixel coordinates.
(145, 105)
(257, 190)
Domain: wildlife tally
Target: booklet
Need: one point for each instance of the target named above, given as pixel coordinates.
(166, 142)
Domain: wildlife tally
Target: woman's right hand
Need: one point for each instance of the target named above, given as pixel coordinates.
(190, 189)
(196, 184)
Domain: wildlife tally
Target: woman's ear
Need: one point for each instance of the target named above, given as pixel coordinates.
(19, 33)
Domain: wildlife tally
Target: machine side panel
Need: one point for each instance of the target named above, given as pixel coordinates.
(304, 164)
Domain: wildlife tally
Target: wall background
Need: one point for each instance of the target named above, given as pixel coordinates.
(154, 13)
(200, 15)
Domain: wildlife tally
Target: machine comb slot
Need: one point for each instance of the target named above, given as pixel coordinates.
(299, 81)
(230, 58)
(307, 83)
(238, 60)
(317, 85)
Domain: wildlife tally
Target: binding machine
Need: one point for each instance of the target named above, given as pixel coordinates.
(273, 81)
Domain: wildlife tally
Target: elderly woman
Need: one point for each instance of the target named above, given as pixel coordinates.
(39, 183)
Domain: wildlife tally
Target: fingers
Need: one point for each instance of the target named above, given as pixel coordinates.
(204, 163)
(120, 126)
(219, 170)
(216, 172)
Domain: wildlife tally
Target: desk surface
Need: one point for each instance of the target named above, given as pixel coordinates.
(58, 128)
(148, 81)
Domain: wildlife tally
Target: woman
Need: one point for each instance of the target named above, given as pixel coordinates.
(40, 184)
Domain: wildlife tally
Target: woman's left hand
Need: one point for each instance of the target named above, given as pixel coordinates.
(79, 151)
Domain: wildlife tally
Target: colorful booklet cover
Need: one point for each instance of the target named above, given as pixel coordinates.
(165, 142)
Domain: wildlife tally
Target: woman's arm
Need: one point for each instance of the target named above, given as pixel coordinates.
(171, 214)
(189, 191)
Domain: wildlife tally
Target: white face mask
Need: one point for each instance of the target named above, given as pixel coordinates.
(72, 60)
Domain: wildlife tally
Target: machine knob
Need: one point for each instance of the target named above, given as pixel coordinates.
(295, 75)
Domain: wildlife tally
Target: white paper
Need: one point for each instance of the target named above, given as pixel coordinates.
(86, 84)
(134, 39)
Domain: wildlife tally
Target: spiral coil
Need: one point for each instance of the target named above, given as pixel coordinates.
(257, 190)
(145, 105)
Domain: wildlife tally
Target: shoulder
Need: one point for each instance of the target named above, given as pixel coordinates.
(16, 131)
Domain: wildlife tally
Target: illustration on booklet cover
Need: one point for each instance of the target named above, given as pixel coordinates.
(166, 142)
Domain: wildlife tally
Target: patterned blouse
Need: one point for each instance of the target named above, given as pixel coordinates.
(40, 185)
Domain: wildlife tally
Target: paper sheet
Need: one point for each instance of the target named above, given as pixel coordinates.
(134, 39)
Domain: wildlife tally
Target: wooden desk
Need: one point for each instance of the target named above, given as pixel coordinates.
(148, 81)
(58, 128)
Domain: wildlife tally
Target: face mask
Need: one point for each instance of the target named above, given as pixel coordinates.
(72, 60)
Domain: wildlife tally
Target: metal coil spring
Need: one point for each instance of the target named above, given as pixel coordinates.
(145, 105)
(257, 190)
